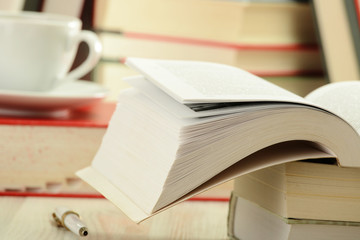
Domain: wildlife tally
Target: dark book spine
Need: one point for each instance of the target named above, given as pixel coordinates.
(33, 5)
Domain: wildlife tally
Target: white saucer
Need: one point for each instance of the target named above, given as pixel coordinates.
(68, 95)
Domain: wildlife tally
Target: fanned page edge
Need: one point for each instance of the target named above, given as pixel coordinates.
(273, 155)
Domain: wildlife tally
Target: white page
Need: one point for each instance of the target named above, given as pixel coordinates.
(341, 98)
(199, 82)
(179, 110)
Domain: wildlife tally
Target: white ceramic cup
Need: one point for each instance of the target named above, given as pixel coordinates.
(38, 49)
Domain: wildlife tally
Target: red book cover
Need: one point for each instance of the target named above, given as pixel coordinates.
(97, 115)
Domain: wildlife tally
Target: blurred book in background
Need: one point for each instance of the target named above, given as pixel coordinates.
(42, 154)
(13, 5)
(338, 28)
(269, 39)
(263, 60)
(223, 21)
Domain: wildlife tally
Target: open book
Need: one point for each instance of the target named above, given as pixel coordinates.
(187, 126)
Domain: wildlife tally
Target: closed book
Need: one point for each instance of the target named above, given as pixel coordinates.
(249, 221)
(223, 21)
(43, 154)
(338, 30)
(258, 59)
(304, 190)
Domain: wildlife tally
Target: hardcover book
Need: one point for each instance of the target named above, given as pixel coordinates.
(42, 154)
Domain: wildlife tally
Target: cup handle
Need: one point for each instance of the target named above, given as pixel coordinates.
(93, 57)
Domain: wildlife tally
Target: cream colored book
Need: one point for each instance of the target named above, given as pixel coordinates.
(243, 22)
(337, 43)
(187, 126)
(257, 58)
(304, 190)
(250, 221)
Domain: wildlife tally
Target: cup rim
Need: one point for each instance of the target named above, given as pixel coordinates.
(37, 18)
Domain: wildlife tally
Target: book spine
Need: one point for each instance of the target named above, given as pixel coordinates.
(231, 217)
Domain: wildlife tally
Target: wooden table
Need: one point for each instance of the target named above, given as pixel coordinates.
(30, 218)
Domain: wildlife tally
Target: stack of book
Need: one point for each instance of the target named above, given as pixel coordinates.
(41, 153)
(274, 40)
(298, 200)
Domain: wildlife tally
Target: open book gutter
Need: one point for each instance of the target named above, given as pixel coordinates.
(199, 107)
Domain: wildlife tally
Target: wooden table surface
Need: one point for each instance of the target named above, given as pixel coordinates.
(30, 218)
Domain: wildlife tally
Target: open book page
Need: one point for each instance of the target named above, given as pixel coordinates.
(280, 153)
(183, 111)
(205, 82)
(341, 98)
